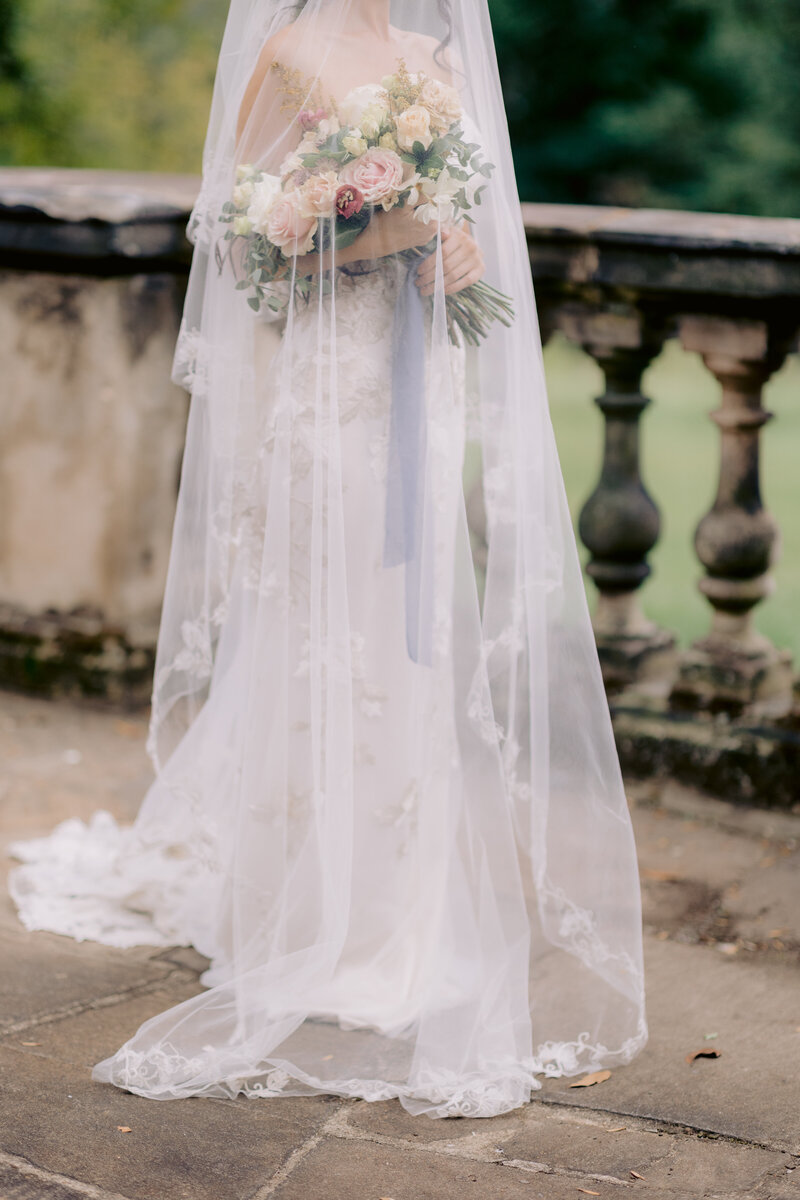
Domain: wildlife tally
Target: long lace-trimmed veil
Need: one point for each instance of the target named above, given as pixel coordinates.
(387, 807)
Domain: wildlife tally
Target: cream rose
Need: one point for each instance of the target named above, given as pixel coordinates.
(265, 193)
(377, 174)
(442, 103)
(414, 125)
(318, 195)
(354, 143)
(288, 228)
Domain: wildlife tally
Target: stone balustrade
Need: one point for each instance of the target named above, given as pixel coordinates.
(92, 274)
(723, 712)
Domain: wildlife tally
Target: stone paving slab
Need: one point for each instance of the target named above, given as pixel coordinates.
(722, 917)
(94, 1034)
(373, 1171)
(576, 1142)
(55, 1117)
(44, 974)
(62, 760)
(19, 1182)
(753, 1090)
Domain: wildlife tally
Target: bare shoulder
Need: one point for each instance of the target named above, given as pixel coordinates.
(276, 47)
(426, 53)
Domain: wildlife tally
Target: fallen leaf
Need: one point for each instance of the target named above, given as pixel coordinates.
(636, 1175)
(586, 1192)
(704, 1053)
(617, 1129)
(31, 1043)
(326, 1057)
(124, 1129)
(708, 1037)
(595, 1077)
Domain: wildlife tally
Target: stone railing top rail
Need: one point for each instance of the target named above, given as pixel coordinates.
(110, 196)
(654, 227)
(106, 223)
(714, 262)
(113, 221)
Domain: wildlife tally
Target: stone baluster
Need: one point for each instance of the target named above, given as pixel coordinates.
(735, 668)
(619, 523)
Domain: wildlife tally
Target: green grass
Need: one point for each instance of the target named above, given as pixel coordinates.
(680, 459)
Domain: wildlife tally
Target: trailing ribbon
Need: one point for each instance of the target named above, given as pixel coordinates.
(406, 478)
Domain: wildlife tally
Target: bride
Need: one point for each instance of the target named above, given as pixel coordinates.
(387, 803)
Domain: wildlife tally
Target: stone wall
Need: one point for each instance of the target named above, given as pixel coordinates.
(92, 276)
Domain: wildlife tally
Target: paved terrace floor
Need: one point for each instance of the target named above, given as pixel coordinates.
(722, 913)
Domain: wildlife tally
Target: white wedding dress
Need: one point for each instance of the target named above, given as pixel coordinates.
(389, 811)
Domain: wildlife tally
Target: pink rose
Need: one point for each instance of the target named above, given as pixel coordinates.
(376, 174)
(288, 228)
(349, 201)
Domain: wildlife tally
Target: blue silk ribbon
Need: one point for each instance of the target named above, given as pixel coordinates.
(406, 526)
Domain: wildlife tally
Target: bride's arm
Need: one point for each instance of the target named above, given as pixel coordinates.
(397, 230)
(387, 233)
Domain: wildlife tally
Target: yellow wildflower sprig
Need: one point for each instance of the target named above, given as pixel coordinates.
(403, 92)
(298, 91)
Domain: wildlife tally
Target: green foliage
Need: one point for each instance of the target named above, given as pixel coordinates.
(681, 103)
(109, 83)
(684, 103)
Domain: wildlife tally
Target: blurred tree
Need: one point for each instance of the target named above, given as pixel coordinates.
(119, 83)
(684, 103)
(613, 101)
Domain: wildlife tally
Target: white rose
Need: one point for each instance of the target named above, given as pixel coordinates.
(414, 125)
(352, 108)
(242, 226)
(265, 194)
(388, 142)
(442, 102)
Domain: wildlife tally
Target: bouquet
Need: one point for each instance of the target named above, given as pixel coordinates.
(391, 144)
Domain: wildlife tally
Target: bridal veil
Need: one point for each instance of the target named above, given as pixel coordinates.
(387, 803)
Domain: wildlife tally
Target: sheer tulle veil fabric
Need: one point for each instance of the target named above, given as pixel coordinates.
(387, 803)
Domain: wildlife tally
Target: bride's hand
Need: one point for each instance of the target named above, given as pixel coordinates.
(462, 263)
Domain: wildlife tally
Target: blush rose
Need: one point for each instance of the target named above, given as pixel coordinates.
(288, 228)
(377, 174)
